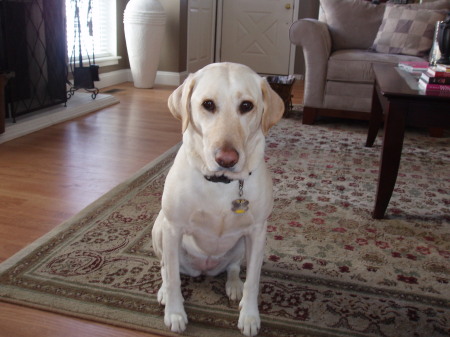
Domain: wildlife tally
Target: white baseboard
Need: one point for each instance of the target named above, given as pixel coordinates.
(124, 75)
(170, 78)
(113, 78)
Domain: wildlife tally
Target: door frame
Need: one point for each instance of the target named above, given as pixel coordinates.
(218, 38)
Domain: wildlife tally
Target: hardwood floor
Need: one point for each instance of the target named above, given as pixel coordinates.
(50, 175)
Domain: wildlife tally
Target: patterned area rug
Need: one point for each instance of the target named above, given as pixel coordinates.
(329, 269)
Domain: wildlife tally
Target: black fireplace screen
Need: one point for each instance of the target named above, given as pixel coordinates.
(33, 47)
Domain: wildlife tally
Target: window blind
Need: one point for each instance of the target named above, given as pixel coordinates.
(103, 42)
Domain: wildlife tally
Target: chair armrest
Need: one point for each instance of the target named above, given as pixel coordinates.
(314, 38)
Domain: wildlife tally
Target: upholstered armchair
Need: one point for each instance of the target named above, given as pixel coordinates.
(349, 36)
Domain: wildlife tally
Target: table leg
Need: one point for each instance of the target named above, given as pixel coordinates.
(394, 131)
(376, 117)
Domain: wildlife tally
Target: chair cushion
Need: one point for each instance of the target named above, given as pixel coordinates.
(407, 30)
(355, 65)
(348, 96)
(353, 24)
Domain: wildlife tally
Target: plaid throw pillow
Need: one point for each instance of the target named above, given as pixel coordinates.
(406, 30)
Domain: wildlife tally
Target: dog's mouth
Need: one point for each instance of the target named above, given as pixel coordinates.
(215, 173)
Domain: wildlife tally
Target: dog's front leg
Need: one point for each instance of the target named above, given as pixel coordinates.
(175, 317)
(249, 321)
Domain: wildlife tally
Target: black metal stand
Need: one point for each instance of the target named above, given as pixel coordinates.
(94, 92)
(83, 77)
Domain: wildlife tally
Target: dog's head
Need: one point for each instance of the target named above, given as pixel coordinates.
(226, 109)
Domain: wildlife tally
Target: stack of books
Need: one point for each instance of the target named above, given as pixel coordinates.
(436, 80)
(414, 67)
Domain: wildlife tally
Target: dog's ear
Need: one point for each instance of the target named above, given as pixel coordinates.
(180, 101)
(273, 107)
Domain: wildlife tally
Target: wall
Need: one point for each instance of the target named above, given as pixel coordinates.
(308, 9)
(174, 49)
(121, 45)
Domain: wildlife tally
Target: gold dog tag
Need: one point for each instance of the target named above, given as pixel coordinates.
(240, 206)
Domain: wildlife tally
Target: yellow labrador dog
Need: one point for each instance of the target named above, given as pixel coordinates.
(218, 193)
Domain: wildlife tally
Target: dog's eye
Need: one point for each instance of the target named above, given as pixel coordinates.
(245, 107)
(209, 105)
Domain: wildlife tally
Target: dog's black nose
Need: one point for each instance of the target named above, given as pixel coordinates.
(227, 157)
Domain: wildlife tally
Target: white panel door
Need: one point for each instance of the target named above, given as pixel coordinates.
(256, 33)
(201, 33)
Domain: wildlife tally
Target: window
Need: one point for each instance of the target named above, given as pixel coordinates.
(104, 40)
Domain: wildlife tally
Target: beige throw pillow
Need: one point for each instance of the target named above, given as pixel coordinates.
(353, 24)
(407, 30)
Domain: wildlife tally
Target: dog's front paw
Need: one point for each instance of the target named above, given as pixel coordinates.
(234, 289)
(249, 321)
(176, 321)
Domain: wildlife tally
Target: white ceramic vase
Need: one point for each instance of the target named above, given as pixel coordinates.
(144, 24)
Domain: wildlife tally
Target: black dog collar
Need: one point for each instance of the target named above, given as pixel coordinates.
(218, 179)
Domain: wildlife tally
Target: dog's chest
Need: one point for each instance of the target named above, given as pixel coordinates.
(216, 233)
(219, 224)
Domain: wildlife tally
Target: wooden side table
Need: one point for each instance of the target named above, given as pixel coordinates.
(394, 96)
